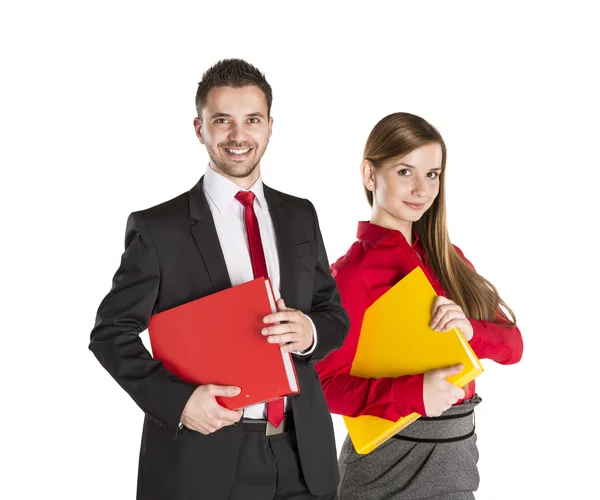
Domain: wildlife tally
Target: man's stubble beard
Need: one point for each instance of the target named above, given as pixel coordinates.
(222, 165)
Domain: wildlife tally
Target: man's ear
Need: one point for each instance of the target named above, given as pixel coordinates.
(198, 129)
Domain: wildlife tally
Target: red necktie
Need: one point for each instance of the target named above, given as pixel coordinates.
(259, 267)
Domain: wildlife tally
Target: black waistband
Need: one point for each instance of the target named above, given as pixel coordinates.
(437, 440)
(259, 425)
(455, 424)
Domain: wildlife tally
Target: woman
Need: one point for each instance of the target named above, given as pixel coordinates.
(403, 173)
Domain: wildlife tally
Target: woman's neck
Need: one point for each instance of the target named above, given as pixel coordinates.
(385, 219)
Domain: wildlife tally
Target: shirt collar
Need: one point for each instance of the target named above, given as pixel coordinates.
(222, 191)
(376, 235)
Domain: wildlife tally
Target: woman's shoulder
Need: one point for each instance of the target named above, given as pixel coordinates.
(462, 256)
(350, 263)
(458, 250)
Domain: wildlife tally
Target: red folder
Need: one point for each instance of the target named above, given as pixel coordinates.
(217, 340)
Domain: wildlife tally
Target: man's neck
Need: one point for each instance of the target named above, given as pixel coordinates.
(242, 182)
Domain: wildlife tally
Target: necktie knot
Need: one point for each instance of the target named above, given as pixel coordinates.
(246, 198)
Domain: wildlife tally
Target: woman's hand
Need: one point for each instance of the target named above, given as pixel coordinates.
(438, 393)
(447, 314)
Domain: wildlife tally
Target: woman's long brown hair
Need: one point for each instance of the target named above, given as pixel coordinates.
(395, 136)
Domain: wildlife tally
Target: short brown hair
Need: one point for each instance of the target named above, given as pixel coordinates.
(231, 73)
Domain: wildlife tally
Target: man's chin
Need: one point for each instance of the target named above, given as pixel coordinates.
(238, 170)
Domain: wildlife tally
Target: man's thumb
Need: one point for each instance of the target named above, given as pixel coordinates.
(227, 391)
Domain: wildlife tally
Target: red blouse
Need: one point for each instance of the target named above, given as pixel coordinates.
(378, 260)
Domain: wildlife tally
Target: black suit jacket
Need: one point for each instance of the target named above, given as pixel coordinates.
(172, 256)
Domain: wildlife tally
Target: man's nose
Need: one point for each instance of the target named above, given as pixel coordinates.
(238, 133)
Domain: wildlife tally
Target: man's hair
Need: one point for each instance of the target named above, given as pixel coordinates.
(231, 73)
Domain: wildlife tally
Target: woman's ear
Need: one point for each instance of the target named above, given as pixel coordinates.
(368, 174)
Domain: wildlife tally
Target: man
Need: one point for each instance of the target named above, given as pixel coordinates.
(200, 243)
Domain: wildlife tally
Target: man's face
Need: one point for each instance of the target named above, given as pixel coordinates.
(235, 127)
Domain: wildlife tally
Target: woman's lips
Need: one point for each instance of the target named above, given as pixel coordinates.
(415, 206)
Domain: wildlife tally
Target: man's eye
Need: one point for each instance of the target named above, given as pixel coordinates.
(253, 120)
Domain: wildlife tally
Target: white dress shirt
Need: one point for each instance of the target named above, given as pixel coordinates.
(228, 214)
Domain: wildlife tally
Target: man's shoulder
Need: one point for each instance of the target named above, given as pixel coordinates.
(175, 207)
(294, 202)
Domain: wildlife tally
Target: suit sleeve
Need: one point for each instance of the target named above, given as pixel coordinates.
(125, 313)
(352, 396)
(495, 340)
(326, 312)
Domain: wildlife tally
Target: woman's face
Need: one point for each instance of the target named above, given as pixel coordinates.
(404, 188)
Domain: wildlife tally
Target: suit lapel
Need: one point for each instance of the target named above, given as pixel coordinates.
(206, 238)
(282, 225)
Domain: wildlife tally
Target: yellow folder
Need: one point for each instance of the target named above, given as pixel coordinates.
(396, 340)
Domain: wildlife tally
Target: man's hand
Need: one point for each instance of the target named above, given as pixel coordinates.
(438, 393)
(294, 332)
(203, 414)
(448, 314)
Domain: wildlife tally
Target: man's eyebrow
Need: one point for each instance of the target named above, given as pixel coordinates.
(227, 115)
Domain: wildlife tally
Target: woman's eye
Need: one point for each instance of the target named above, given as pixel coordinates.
(404, 171)
(433, 175)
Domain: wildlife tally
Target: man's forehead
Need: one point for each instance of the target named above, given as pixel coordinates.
(235, 100)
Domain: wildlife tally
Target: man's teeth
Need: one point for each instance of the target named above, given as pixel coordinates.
(238, 151)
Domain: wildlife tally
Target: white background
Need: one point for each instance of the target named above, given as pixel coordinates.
(97, 103)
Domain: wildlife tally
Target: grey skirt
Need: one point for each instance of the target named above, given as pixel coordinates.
(432, 458)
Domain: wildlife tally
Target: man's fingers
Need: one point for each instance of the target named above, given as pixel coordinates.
(222, 418)
(228, 417)
(289, 342)
(205, 414)
(279, 329)
(226, 391)
(289, 315)
(282, 339)
(197, 425)
(281, 306)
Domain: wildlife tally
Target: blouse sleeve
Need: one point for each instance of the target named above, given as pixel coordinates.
(387, 397)
(495, 340)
